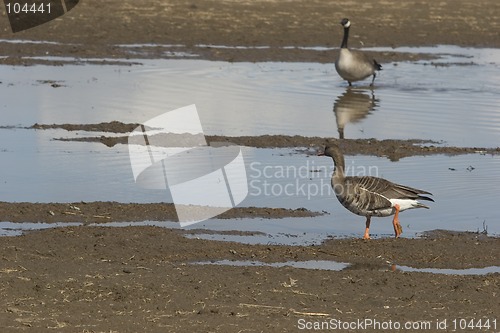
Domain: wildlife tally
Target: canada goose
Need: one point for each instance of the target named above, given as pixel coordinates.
(371, 196)
(353, 65)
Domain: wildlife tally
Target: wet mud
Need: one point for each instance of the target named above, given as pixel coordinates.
(392, 149)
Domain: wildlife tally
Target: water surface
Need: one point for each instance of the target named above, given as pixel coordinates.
(454, 100)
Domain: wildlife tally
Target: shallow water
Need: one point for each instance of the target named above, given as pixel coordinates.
(465, 187)
(330, 265)
(312, 264)
(17, 229)
(454, 100)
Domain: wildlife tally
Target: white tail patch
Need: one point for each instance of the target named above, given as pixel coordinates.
(405, 204)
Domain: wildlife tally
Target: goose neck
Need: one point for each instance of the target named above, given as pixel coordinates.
(346, 37)
(338, 171)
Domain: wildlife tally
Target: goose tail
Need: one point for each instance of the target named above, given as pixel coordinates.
(378, 66)
(421, 205)
(421, 197)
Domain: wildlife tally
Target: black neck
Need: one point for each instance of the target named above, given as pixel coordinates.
(344, 40)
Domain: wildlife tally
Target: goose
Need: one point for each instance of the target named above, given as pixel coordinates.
(372, 196)
(354, 65)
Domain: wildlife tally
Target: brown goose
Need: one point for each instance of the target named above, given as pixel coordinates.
(354, 65)
(371, 196)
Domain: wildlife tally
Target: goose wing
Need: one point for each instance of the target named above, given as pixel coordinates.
(397, 191)
(390, 190)
(374, 193)
(361, 57)
(367, 193)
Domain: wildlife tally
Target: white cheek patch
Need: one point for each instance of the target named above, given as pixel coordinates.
(348, 24)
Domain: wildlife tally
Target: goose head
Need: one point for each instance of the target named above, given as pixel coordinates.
(335, 153)
(332, 151)
(345, 23)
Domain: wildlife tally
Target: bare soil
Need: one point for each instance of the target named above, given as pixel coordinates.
(96, 29)
(142, 279)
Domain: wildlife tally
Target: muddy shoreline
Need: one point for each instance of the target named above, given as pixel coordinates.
(144, 279)
(255, 31)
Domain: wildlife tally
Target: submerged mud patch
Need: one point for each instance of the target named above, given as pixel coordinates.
(392, 149)
(96, 212)
(112, 127)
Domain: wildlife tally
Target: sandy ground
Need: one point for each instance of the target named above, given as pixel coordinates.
(142, 279)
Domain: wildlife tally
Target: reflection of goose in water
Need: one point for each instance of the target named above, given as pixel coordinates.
(352, 106)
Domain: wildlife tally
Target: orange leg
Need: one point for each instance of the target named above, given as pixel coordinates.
(367, 230)
(398, 230)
